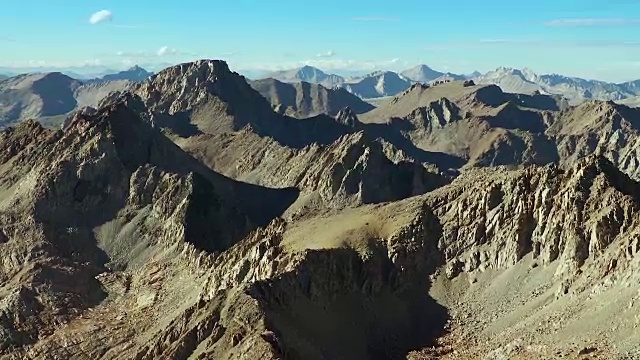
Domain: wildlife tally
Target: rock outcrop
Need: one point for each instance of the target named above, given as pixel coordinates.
(435, 115)
(566, 215)
(601, 128)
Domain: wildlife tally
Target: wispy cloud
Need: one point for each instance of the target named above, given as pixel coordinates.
(375, 18)
(135, 53)
(165, 50)
(326, 54)
(585, 43)
(100, 17)
(591, 22)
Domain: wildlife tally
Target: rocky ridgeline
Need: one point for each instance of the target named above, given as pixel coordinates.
(353, 170)
(348, 117)
(601, 128)
(491, 219)
(435, 115)
(356, 167)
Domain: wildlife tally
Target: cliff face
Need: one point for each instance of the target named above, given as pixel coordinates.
(569, 216)
(601, 128)
(353, 170)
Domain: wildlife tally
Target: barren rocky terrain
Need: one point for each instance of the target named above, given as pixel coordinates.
(184, 218)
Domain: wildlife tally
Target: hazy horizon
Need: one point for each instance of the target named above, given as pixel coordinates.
(589, 38)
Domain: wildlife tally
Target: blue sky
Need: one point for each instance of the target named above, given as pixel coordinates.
(588, 38)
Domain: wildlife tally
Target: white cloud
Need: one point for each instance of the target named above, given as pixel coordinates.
(101, 16)
(127, 62)
(135, 53)
(165, 50)
(327, 54)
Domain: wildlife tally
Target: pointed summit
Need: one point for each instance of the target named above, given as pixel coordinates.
(422, 73)
(135, 73)
(202, 96)
(346, 116)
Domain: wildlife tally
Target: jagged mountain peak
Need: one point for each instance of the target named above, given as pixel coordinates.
(204, 95)
(436, 114)
(596, 116)
(199, 70)
(347, 116)
(502, 70)
(135, 68)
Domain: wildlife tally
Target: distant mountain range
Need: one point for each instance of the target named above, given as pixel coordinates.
(303, 92)
(381, 84)
(85, 73)
(576, 90)
(135, 73)
(53, 96)
(388, 83)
